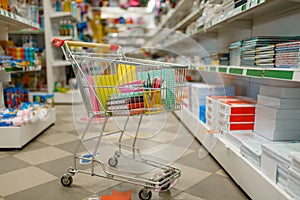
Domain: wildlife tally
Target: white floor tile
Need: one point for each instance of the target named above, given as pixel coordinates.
(56, 139)
(185, 196)
(42, 155)
(22, 179)
(3, 155)
(189, 176)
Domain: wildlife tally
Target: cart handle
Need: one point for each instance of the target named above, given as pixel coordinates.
(59, 42)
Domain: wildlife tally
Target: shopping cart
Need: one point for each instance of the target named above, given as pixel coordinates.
(112, 86)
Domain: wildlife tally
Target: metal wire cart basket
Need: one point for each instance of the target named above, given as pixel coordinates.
(112, 86)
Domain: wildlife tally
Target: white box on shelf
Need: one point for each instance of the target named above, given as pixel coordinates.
(268, 166)
(280, 92)
(278, 102)
(264, 112)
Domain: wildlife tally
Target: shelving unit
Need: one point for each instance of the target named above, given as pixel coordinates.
(270, 73)
(255, 18)
(56, 63)
(256, 184)
(17, 137)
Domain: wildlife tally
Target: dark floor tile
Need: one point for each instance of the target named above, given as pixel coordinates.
(52, 130)
(60, 166)
(10, 164)
(70, 146)
(206, 163)
(33, 145)
(50, 191)
(217, 187)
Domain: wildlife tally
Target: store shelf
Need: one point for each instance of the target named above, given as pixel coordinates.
(15, 22)
(63, 37)
(60, 63)
(242, 17)
(71, 97)
(28, 32)
(287, 74)
(188, 19)
(17, 137)
(59, 15)
(176, 14)
(23, 71)
(251, 179)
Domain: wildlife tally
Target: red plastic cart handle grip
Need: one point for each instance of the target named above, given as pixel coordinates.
(59, 42)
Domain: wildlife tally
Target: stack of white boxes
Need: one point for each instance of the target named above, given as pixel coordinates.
(229, 114)
(277, 119)
(227, 5)
(198, 93)
(293, 181)
(276, 160)
(278, 113)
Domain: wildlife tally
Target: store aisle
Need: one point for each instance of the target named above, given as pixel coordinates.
(34, 172)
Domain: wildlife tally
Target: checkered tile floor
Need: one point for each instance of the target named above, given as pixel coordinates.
(34, 171)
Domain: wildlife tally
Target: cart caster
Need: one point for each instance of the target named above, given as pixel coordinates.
(166, 187)
(71, 171)
(144, 194)
(66, 180)
(113, 162)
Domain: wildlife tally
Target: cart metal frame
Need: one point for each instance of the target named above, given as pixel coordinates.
(109, 63)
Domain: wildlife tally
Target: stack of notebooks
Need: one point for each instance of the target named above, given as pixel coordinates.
(228, 5)
(238, 3)
(287, 55)
(235, 53)
(276, 160)
(264, 56)
(278, 113)
(197, 93)
(293, 181)
(259, 51)
(125, 104)
(219, 59)
(227, 114)
(249, 145)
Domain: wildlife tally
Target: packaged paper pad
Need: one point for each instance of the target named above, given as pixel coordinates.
(282, 176)
(237, 107)
(293, 184)
(287, 55)
(296, 161)
(280, 92)
(278, 103)
(225, 113)
(277, 154)
(281, 152)
(271, 114)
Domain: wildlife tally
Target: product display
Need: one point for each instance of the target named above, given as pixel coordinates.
(249, 145)
(276, 160)
(197, 93)
(231, 82)
(275, 120)
(226, 114)
(287, 55)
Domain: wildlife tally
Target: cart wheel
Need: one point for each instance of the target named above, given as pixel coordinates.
(66, 180)
(145, 195)
(165, 187)
(113, 162)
